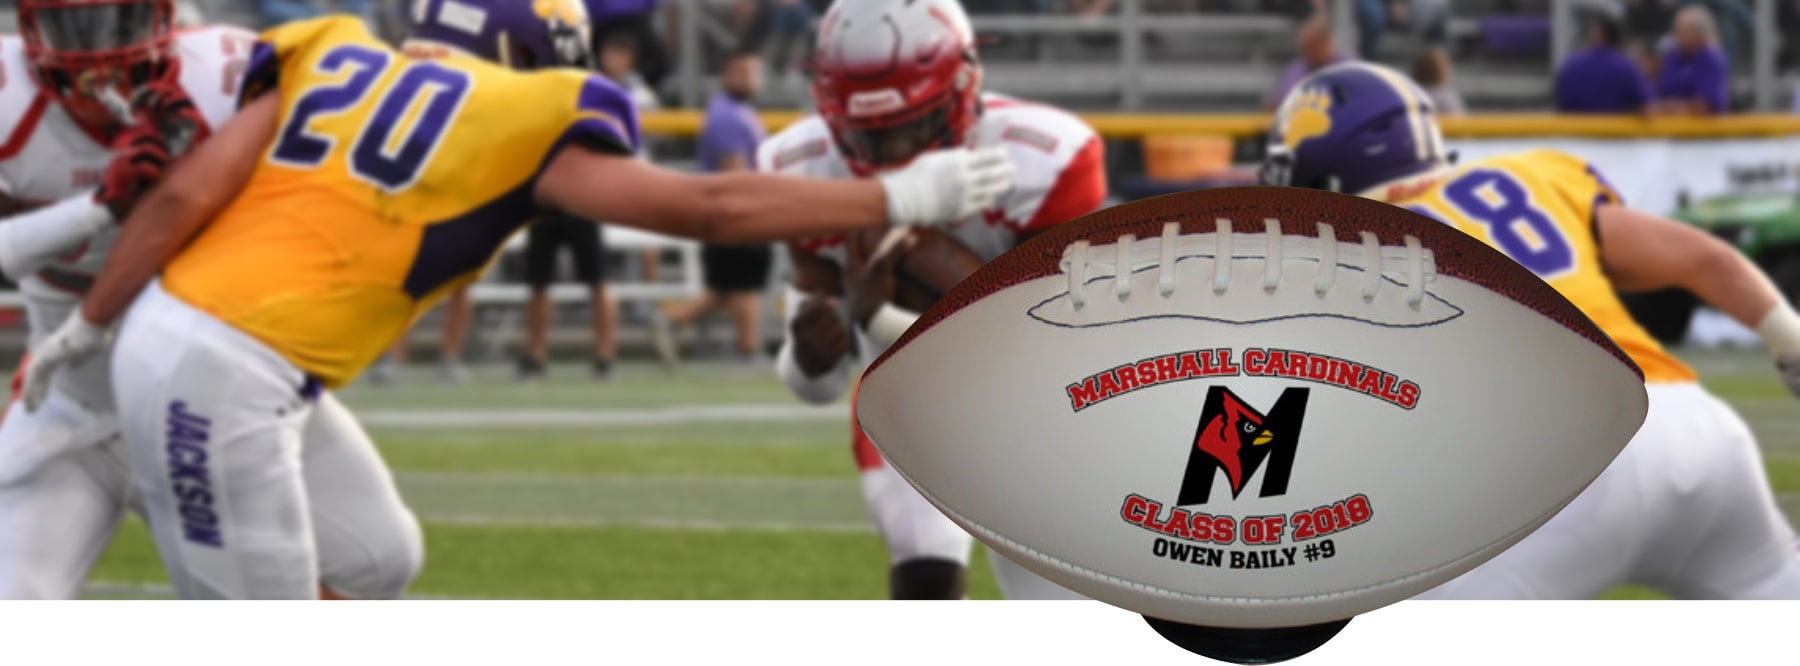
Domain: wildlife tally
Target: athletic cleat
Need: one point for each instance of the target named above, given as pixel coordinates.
(530, 369)
(662, 339)
(603, 370)
(452, 372)
(387, 372)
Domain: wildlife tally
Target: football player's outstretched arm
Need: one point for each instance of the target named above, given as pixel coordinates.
(743, 207)
(196, 189)
(1643, 252)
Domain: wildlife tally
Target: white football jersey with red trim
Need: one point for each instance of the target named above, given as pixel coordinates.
(1059, 173)
(46, 156)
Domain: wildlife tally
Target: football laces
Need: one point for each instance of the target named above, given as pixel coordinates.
(1414, 267)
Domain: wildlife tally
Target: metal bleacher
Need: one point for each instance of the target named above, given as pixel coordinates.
(1227, 58)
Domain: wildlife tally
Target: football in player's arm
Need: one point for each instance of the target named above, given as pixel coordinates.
(878, 112)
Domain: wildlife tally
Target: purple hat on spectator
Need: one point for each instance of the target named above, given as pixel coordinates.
(514, 33)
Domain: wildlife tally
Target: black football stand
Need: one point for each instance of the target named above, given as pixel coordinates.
(1247, 646)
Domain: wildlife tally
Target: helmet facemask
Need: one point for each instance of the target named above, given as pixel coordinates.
(93, 54)
(874, 138)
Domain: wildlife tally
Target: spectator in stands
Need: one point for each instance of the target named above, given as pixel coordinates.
(1318, 48)
(1432, 72)
(586, 246)
(1694, 79)
(1735, 23)
(618, 56)
(1430, 20)
(618, 61)
(1371, 22)
(1601, 78)
(778, 28)
(635, 18)
(736, 276)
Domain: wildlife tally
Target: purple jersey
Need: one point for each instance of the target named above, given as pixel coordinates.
(1601, 80)
(731, 129)
(1704, 75)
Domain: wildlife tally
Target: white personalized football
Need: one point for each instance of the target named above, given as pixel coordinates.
(1355, 405)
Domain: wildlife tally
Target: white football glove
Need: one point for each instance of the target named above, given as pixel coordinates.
(75, 340)
(944, 186)
(1780, 330)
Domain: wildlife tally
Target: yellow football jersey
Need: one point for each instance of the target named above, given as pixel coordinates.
(1538, 208)
(390, 183)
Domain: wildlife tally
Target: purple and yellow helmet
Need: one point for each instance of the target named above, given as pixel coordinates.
(520, 34)
(1351, 127)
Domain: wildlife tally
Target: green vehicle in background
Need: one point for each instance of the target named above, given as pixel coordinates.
(1765, 227)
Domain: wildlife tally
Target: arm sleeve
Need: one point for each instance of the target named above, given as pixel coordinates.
(819, 390)
(30, 240)
(1589, 190)
(261, 75)
(605, 118)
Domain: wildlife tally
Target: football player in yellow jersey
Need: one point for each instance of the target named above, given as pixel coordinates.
(356, 187)
(1686, 507)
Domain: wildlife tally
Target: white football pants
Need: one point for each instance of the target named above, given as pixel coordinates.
(1685, 508)
(255, 485)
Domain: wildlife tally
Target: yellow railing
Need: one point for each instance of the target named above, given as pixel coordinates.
(1137, 125)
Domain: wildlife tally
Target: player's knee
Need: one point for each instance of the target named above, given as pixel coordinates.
(929, 579)
(384, 565)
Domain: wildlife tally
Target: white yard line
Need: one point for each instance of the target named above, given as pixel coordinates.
(446, 418)
(111, 587)
(479, 520)
(850, 483)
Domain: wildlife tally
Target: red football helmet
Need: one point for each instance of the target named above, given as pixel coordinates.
(895, 78)
(79, 48)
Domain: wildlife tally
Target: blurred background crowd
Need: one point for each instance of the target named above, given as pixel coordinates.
(727, 58)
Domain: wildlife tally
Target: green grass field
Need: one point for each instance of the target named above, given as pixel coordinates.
(709, 483)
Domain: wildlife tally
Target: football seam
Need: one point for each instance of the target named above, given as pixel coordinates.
(1457, 312)
(1245, 601)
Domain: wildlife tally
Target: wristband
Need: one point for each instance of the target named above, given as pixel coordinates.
(889, 323)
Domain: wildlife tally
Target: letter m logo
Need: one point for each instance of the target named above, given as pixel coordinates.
(1236, 439)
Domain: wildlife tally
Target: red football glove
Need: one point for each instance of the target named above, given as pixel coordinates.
(140, 156)
(167, 107)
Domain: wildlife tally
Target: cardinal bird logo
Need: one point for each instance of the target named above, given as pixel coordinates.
(1237, 439)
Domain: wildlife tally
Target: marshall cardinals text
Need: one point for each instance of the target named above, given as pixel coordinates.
(1254, 362)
